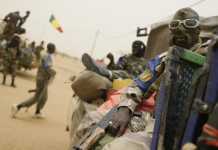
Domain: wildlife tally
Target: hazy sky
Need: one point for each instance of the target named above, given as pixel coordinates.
(116, 20)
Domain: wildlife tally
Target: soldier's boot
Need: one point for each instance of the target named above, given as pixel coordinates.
(4, 79)
(13, 82)
(91, 65)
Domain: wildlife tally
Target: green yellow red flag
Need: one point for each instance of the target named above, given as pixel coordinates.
(54, 22)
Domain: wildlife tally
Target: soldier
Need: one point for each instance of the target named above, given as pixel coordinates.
(12, 17)
(128, 66)
(183, 84)
(111, 65)
(128, 95)
(185, 30)
(14, 22)
(99, 84)
(10, 57)
(45, 75)
(32, 46)
(38, 50)
(23, 19)
(26, 58)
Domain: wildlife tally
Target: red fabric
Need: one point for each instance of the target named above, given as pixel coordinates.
(113, 99)
(213, 132)
(212, 143)
(100, 62)
(147, 105)
(210, 130)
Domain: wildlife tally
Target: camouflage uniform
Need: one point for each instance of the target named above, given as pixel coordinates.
(38, 51)
(2, 50)
(10, 61)
(86, 98)
(10, 57)
(14, 22)
(129, 66)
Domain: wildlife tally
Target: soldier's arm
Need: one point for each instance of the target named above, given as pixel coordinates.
(22, 20)
(121, 64)
(131, 97)
(147, 81)
(7, 17)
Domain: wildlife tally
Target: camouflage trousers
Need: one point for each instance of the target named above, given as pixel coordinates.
(9, 67)
(116, 74)
(85, 115)
(75, 119)
(129, 141)
(40, 97)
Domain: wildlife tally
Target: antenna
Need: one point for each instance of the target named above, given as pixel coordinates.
(94, 42)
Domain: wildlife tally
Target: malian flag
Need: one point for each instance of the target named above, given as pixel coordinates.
(54, 22)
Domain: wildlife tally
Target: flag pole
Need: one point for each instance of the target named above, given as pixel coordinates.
(94, 42)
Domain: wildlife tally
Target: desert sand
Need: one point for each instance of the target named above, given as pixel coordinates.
(26, 132)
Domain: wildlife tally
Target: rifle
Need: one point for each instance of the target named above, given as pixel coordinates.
(99, 130)
(96, 132)
(32, 91)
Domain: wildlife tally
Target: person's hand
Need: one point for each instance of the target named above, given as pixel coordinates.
(120, 121)
(27, 12)
(110, 56)
(214, 42)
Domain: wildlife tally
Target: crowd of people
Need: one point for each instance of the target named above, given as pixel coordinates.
(169, 101)
(16, 53)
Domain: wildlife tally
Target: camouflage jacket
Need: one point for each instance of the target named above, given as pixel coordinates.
(133, 65)
(10, 56)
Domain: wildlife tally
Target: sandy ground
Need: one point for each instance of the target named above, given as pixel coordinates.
(26, 132)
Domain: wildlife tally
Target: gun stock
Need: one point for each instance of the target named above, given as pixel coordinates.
(91, 139)
(96, 132)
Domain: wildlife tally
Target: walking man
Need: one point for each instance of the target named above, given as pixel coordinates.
(44, 75)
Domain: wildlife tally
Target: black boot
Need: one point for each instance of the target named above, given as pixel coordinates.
(91, 65)
(12, 82)
(4, 79)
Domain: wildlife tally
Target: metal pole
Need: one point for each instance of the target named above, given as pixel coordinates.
(94, 42)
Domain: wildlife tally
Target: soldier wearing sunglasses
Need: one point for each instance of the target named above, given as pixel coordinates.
(178, 80)
(185, 31)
